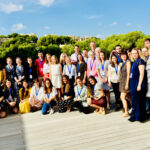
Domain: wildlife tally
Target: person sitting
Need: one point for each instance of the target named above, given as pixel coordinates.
(24, 94)
(36, 96)
(66, 100)
(80, 99)
(49, 97)
(11, 98)
(2, 104)
(96, 97)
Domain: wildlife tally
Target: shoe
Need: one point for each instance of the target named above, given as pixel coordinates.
(103, 112)
(117, 108)
(126, 115)
(51, 112)
(131, 119)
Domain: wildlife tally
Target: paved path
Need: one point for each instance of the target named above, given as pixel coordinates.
(73, 131)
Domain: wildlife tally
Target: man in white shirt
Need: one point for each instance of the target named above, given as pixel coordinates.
(74, 56)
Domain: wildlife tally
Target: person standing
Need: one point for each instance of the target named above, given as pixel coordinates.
(138, 88)
(75, 55)
(39, 63)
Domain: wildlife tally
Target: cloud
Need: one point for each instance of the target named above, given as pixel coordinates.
(46, 27)
(100, 36)
(114, 24)
(46, 3)
(18, 27)
(129, 24)
(10, 7)
(95, 16)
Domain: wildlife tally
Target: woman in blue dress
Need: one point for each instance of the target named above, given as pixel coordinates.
(138, 88)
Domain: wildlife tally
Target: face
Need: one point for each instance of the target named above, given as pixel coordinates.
(102, 56)
(25, 84)
(145, 52)
(124, 57)
(9, 61)
(91, 55)
(92, 45)
(85, 53)
(98, 51)
(8, 84)
(18, 61)
(48, 58)
(64, 80)
(47, 83)
(92, 81)
(80, 57)
(79, 82)
(63, 57)
(135, 54)
(53, 60)
(36, 83)
(114, 59)
(29, 61)
(68, 60)
(76, 49)
(118, 49)
(40, 55)
(147, 44)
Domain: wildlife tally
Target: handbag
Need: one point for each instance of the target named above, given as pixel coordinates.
(100, 102)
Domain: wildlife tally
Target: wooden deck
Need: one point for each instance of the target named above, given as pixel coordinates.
(73, 131)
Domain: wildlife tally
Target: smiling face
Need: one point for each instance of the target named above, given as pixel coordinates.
(102, 56)
(65, 80)
(48, 58)
(29, 61)
(124, 57)
(9, 61)
(47, 83)
(92, 45)
(114, 59)
(18, 61)
(76, 49)
(25, 84)
(135, 54)
(8, 84)
(79, 82)
(118, 49)
(147, 44)
(145, 52)
(54, 61)
(68, 60)
(80, 57)
(92, 82)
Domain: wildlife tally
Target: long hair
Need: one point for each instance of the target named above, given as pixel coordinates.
(67, 85)
(111, 62)
(82, 58)
(48, 88)
(105, 57)
(55, 59)
(24, 93)
(61, 60)
(46, 60)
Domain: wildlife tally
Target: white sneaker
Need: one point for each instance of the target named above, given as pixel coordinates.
(51, 111)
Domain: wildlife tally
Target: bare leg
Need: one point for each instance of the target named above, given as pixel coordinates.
(125, 104)
(108, 99)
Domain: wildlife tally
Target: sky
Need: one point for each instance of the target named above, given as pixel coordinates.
(99, 18)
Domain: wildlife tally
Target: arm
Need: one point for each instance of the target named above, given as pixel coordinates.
(4, 72)
(128, 75)
(101, 94)
(60, 70)
(141, 70)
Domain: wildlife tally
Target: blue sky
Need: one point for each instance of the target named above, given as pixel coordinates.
(99, 18)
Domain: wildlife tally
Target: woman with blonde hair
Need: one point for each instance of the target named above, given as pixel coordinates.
(138, 88)
(46, 66)
(55, 74)
(63, 60)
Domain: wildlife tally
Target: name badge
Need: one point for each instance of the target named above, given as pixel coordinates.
(103, 73)
(131, 75)
(30, 76)
(79, 74)
(65, 97)
(117, 78)
(42, 69)
(84, 104)
(70, 76)
(12, 76)
(19, 77)
(91, 73)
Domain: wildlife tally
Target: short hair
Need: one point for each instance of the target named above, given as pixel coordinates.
(91, 53)
(78, 78)
(39, 51)
(76, 46)
(8, 58)
(148, 39)
(36, 80)
(118, 45)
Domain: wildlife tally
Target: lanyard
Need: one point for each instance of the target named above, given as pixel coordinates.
(116, 69)
(102, 65)
(79, 92)
(79, 65)
(10, 68)
(30, 70)
(48, 95)
(41, 63)
(10, 92)
(37, 92)
(123, 66)
(69, 69)
(91, 64)
(19, 70)
(93, 90)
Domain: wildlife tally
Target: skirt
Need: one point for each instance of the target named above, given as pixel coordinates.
(24, 107)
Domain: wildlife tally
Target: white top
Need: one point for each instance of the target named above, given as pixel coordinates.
(80, 93)
(96, 90)
(72, 71)
(46, 68)
(38, 95)
(55, 69)
(74, 57)
(52, 94)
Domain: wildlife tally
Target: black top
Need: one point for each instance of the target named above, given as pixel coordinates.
(30, 73)
(19, 72)
(11, 93)
(82, 68)
(10, 72)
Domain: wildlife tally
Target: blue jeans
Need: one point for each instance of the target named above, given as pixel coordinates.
(46, 107)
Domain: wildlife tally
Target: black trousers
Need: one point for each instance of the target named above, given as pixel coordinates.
(115, 87)
(78, 104)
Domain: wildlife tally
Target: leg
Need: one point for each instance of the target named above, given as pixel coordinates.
(15, 110)
(125, 104)
(108, 98)
(45, 108)
(3, 114)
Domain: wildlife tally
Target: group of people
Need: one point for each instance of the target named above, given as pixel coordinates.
(81, 81)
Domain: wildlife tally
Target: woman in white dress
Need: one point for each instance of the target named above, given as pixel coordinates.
(46, 66)
(55, 74)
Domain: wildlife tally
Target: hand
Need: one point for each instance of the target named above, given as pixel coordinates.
(76, 99)
(139, 88)
(126, 87)
(12, 104)
(84, 81)
(110, 85)
(62, 98)
(105, 80)
(96, 98)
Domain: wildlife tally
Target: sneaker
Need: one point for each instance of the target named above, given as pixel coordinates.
(51, 111)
